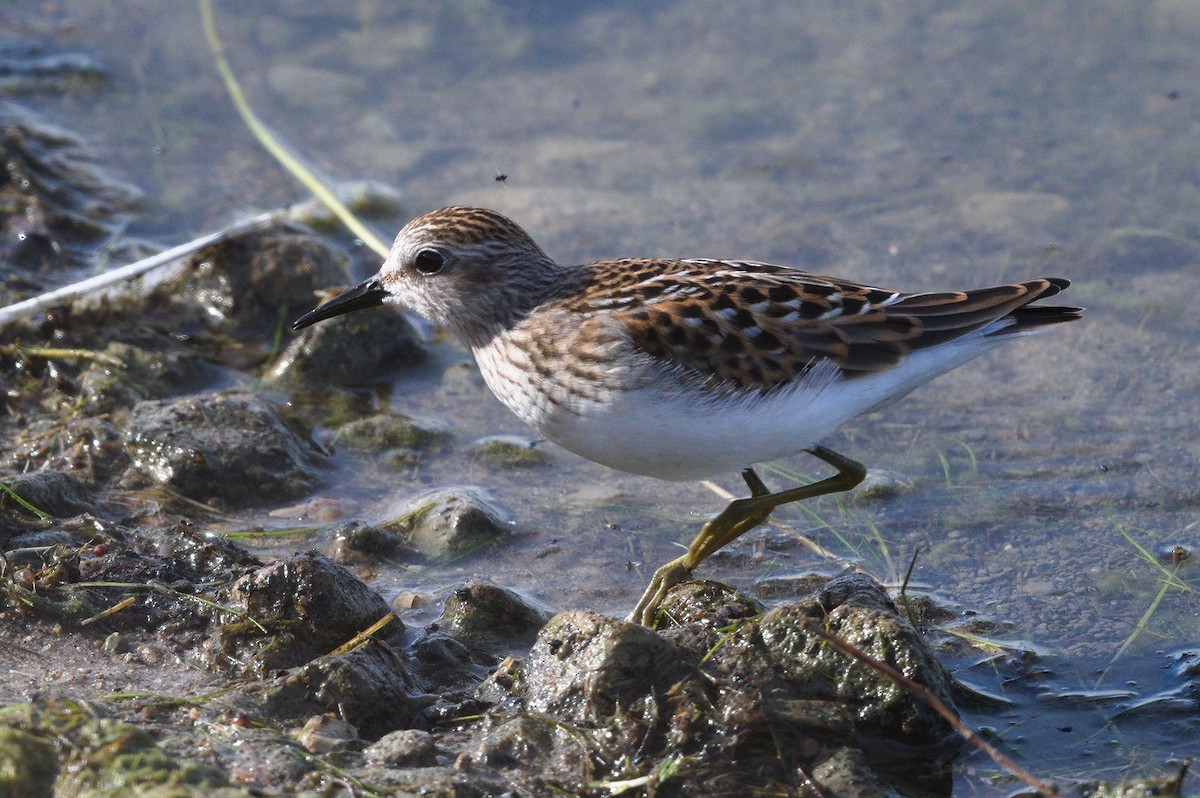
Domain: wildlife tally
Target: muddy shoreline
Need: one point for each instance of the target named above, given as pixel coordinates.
(229, 504)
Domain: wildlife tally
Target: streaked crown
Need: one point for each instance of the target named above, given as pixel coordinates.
(469, 269)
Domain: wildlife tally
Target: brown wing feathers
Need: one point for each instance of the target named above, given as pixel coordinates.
(734, 325)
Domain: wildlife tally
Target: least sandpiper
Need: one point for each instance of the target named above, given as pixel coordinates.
(682, 369)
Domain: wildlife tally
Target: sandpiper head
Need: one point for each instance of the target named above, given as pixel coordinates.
(469, 269)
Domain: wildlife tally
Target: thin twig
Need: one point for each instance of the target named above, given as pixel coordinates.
(364, 635)
(113, 610)
(923, 693)
(32, 305)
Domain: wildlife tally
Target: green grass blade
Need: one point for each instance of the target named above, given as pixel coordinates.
(272, 144)
(42, 514)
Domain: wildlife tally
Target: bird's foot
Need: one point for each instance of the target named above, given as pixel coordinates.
(664, 579)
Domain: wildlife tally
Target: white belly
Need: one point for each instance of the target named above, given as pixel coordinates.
(674, 436)
(674, 431)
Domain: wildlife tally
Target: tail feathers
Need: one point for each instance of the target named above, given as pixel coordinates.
(999, 310)
(1033, 318)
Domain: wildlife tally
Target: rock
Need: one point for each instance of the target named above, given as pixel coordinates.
(446, 781)
(193, 556)
(308, 605)
(488, 615)
(369, 687)
(54, 492)
(152, 654)
(508, 451)
(789, 585)
(324, 734)
(463, 378)
(846, 773)
(356, 542)
(346, 350)
(595, 690)
(141, 374)
(927, 611)
(696, 614)
(879, 485)
(403, 748)
(232, 446)
(808, 682)
(175, 561)
(519, 741)
(450, 665)
(451, 522)
(30, 70)
(251, 285)
(404, 460)
(390, 431)
(59, 210)
(88, 448)
(114, 644)
(599, 698)
(586, 667)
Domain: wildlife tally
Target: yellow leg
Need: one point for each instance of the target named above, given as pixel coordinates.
(738, 518)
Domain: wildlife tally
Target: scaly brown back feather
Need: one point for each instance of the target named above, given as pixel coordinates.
(755, 326)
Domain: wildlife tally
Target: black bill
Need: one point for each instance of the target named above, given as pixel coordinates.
(366, 294)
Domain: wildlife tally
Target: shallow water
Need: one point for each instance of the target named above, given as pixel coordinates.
(918, 146)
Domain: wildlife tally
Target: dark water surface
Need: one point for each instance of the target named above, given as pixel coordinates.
(915, 145)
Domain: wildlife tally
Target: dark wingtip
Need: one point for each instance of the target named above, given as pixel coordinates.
(1052, 314)
(1056, 284)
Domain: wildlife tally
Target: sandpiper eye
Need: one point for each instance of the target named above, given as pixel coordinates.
(428, 261)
